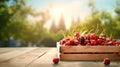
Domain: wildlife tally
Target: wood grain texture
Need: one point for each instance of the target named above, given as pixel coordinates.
(88, 52)
(90, 49)
(42, 57)
(5, 50)
(112, 64)
(24, 59)
(46, 58)
(89, 56)
(14, 53)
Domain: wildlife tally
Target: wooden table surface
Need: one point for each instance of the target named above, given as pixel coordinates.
(41, 57)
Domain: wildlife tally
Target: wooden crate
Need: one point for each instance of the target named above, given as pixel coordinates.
(88, 52)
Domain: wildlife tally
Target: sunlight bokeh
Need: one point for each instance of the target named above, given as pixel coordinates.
(70, 11)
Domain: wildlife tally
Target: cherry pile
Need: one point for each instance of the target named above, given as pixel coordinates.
(90, 39)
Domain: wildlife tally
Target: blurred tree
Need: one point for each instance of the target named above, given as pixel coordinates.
(61, 25)
(53, 27)
(3, 10)
(34, 32)
(117, 19)
(49, 40)
(91, 4)
(109, 24)
(117, 9)
(13, 19)
(98, 22)
(93, 23)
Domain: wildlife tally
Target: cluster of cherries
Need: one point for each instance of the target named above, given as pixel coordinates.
(90, 39)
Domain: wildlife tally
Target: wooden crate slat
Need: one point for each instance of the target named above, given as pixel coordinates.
(89, 56)
(88, 52)
(90, 48)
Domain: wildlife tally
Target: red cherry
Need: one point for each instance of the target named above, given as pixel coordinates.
(68, 43)
(76, 42)
(93, 42)
(76, 35)
(107, 40)
(62, 42)
(109, 43)
(106, 61)
(92, 36)
(116, 43)
(99, 41)
(81, 40)
(72, 42)
(89, 39)
(119, 42)
(103, 44)
(97, 37)
(55, 60)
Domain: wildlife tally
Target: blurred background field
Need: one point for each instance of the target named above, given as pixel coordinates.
(42, 23)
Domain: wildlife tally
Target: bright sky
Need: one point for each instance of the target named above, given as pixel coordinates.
(69, 8)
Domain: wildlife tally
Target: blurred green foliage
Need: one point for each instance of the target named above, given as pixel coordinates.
(100, 22)
(13, 23)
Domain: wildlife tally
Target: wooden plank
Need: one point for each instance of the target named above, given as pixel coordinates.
(37, 58)
(5, 50)
(68, 64)
(112, 64)
(89, 56)
(14, 53)
(26, 58)
(90, 49)
(45, 59)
